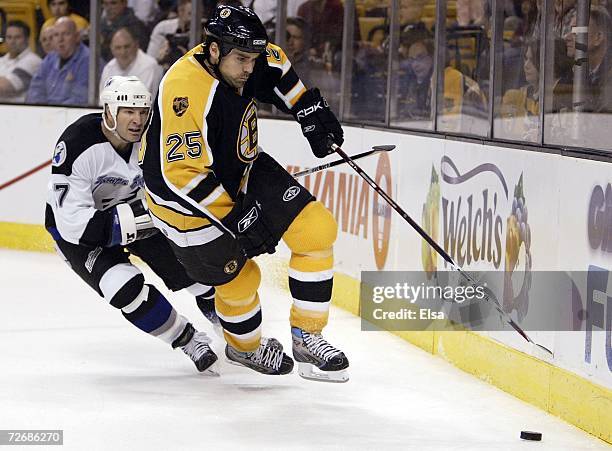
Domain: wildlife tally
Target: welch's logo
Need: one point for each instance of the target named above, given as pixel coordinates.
(472, 226)
(481, 222)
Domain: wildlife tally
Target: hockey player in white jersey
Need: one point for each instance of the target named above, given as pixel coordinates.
(96, 214)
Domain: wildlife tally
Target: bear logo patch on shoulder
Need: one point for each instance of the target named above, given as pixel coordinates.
(180, 105)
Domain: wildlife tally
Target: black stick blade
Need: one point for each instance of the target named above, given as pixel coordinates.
(384, 147)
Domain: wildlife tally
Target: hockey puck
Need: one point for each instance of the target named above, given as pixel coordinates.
(531, 435)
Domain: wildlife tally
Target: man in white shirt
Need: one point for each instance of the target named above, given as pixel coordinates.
(19, 65)
(145, 10)
(159, 47)
(128, 59)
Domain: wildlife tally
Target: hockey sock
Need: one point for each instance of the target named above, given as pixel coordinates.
(152, 313)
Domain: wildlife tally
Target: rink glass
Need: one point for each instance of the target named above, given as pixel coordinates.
(502, 70)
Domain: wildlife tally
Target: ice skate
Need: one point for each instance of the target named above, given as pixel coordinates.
(207, 307)
(317, 359)
(195, 345)
(269, 358)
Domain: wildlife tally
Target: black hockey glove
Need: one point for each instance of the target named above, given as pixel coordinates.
(130, 222)
(319, 124)
(247, 222)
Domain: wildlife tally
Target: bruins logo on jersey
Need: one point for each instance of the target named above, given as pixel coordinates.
(247, 139)
(180, 105)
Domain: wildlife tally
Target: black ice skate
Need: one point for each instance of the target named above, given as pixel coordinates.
(317, 359)
(195, 345)
(207, 307)
(269, 358)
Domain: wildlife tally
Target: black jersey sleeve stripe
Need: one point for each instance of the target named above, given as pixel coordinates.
(288, 81)
(205, 188)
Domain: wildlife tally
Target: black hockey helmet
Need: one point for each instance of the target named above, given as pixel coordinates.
(236, 28)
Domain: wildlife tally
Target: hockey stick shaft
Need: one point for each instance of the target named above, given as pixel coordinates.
(331, 164)
(432, 243)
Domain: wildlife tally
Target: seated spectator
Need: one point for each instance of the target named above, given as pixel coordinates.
(411, 25)
(564, 11)
(462, 95)
(170, 38)
(298, 43)
(411, 15)
(115, 15)
(325, 18)
(370, 73)
(62, 8)
(145, 10)
(63, 76)
(47, 40)
(377, 35)
(530, 10)
(470, 12)
(130, 60)
(599, 79)
(520, 108)
(19, 64)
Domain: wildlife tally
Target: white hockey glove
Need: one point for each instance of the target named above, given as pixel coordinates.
(130, 222)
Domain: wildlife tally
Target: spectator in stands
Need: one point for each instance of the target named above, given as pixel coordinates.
(19, 64)
(415, 85)
(530, 10)
(116, 14)
(377, 35)
(411, 24)
(145, 10)
(462, 95)
(470, 12)
(564, 11)
(298, 43)
(411, 13)
(130, 60)
(47, 40)
(170, 38)
(325, 18)
(599, 79)
(63, 76)
(62, 8)
(520, 108)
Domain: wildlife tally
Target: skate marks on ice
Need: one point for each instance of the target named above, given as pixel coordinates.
(71, 362)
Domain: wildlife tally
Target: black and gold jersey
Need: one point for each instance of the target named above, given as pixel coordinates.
(203, 138)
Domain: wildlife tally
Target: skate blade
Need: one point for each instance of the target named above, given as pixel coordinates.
(211, 371)
(242, 365)
(218, 330)
(233, 362)
(312, 373)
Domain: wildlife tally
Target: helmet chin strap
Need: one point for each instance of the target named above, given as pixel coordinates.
(113, 129)
(215, 67)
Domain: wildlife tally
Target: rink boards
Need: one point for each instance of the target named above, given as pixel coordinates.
(569, 205)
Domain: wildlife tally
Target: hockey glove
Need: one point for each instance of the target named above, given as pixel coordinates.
(319, 124)
(130, 222)
(247, 222)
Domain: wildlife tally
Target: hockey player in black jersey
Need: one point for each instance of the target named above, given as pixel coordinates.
(221, 200)
(97, 216)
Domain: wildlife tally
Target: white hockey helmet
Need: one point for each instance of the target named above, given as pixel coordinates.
(120, 91)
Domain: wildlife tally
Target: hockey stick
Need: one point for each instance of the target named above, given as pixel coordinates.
(488, 294)
(375, 149)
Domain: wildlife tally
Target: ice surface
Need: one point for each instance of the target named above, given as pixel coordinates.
(71, 362)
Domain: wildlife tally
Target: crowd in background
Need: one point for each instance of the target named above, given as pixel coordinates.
(144, 37)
